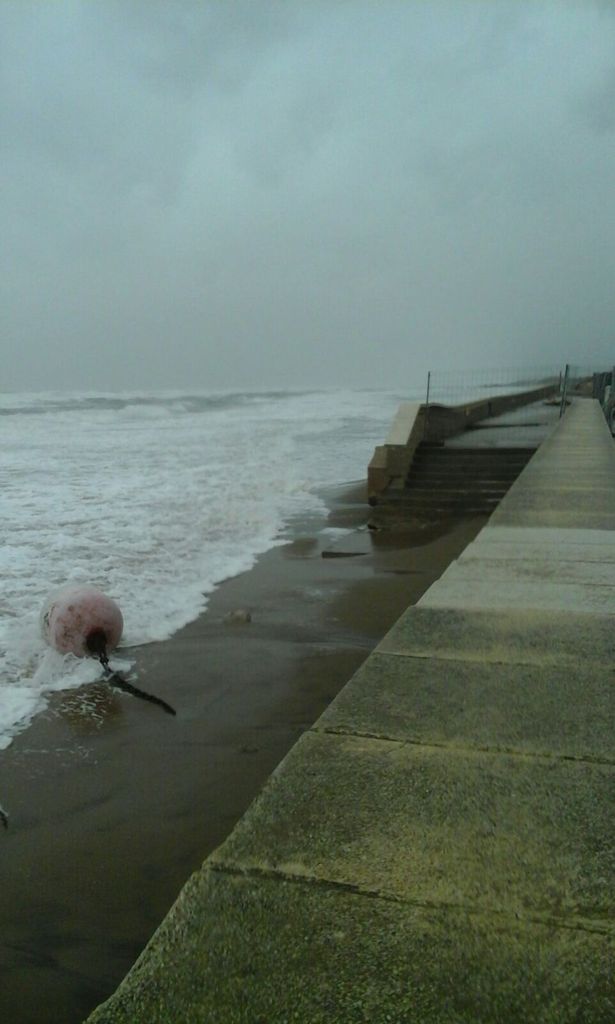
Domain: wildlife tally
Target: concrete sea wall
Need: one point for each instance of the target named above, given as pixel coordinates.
(439, 846)
(416, 422)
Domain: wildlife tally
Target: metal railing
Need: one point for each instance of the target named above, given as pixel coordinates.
(457, 387)
(527, 387)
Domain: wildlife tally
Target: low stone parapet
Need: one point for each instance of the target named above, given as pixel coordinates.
(416, 422)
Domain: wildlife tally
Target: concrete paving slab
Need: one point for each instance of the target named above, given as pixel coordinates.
(550, 595)
(564, 518)
(560, 455)
(491, 832)
(519, 636)
(545, 552)
(500, 542)
(242, 950)
(550, 499)
(541, 473)
(556, 536)
(537, 709)
(579, 442)
(570, 481)
(517, 570)
(576, 475)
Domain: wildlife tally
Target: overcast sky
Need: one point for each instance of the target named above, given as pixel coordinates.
(239, 194)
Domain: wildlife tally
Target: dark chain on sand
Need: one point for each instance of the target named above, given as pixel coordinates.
(117, 680)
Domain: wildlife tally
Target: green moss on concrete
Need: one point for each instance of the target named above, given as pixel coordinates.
(237, 950)
(518, 636)
(539, 709)
(516, 835)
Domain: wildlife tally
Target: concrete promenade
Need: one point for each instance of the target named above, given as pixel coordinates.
(440, 847)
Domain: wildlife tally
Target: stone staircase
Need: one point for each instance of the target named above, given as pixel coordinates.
(454, 481)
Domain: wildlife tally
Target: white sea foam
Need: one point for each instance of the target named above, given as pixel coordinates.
(155, 498)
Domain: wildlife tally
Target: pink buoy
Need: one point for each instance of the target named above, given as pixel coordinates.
(76, 616)
(79, 619)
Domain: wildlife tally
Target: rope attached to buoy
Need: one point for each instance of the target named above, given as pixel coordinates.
(97, 645)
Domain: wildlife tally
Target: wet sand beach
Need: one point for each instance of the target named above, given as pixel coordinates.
(113, 803)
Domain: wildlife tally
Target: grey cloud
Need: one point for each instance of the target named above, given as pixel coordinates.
(288, 194)
(597, 107)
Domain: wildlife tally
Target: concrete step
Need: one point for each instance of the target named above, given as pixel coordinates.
(439, 478)
(434, 502)
(463, 460)
(428, 491)
(424, 459)
(463, 480)
(456, 481)
(452, 462)
(450, 456)
(442, 450)
(429, 513)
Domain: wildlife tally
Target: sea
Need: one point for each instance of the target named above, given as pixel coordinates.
(156, 498)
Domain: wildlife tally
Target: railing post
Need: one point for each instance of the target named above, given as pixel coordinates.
(562, 407)
(426, 413)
